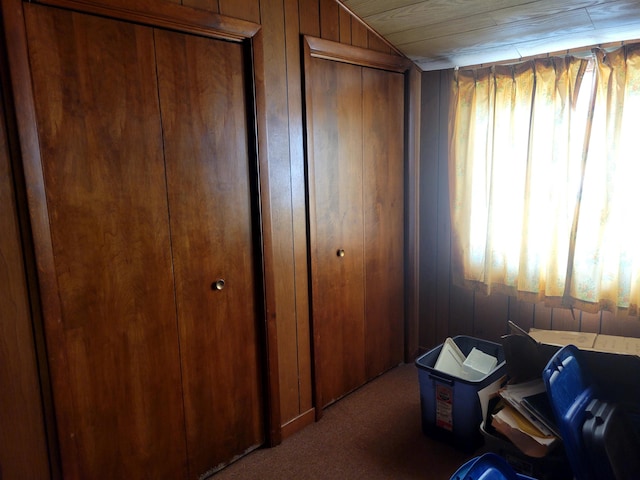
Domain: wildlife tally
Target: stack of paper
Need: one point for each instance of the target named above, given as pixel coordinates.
(476, 366)
(518, 421)
(450, 359)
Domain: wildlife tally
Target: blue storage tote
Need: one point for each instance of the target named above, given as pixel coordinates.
(601, 436)
(449, 404)
(488, 467)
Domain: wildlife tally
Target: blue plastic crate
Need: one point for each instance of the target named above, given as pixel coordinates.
(488, 467)
(449, 405)
(600, 435)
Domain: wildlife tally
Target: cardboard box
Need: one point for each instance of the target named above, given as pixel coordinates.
(613, 361)
(588, 341)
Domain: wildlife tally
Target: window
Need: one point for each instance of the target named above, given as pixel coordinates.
(545, 180)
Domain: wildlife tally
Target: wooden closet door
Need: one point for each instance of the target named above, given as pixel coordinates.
(355, 141)
(383, 179)
(23, 440)
(110, 314)
(334, 132)
(204, 117)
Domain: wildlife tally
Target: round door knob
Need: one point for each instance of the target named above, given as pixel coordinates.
(340, 253)
(218, 284)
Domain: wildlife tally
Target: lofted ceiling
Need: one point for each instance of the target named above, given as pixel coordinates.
(440, 34)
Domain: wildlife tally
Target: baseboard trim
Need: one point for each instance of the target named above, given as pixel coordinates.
(298, 423)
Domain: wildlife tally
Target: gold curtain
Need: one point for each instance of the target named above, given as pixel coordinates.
(606, 268)
(539, 193)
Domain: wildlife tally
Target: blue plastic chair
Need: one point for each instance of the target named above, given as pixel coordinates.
(570, 389)
(600, 436)
(488, 467)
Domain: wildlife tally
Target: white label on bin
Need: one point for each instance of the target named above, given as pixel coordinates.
(444, 407)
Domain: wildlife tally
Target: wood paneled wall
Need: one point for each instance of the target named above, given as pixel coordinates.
(283, 23)
(445, 309)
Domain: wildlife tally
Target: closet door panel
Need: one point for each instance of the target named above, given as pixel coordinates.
(113, 353)
(334, 123)
(383, 115)
(355, 141)
(204, 116)
(23, 439)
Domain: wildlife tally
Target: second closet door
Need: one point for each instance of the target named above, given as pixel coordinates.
(355, 141)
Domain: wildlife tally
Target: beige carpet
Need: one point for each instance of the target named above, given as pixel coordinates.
(373, 433)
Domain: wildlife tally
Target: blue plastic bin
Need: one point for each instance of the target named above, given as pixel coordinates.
(488, 467)
(449, 405)
(600, 435)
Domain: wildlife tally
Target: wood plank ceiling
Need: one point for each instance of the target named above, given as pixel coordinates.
(439, 34)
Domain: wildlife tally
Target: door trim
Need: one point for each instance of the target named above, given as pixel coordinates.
(339, 52)
(167, 15)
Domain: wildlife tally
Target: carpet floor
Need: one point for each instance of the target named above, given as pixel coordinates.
(373, 433)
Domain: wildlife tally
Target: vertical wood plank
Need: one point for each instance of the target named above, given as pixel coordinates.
(428, 218)
(329, 20)
(590, 322)
(490, 316)
(298, 206)
(309, 17)
(521, 313)
(412, 215)
(622, 326)
(208, 5)
(345, 26)
(565, 319)
(542, 317)
(359, 33)
(460, 307)
(245, 9)
(378, 44)
(273, 381)
(632, 327)
(446, 293)
(609, 325)
(277, 124)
